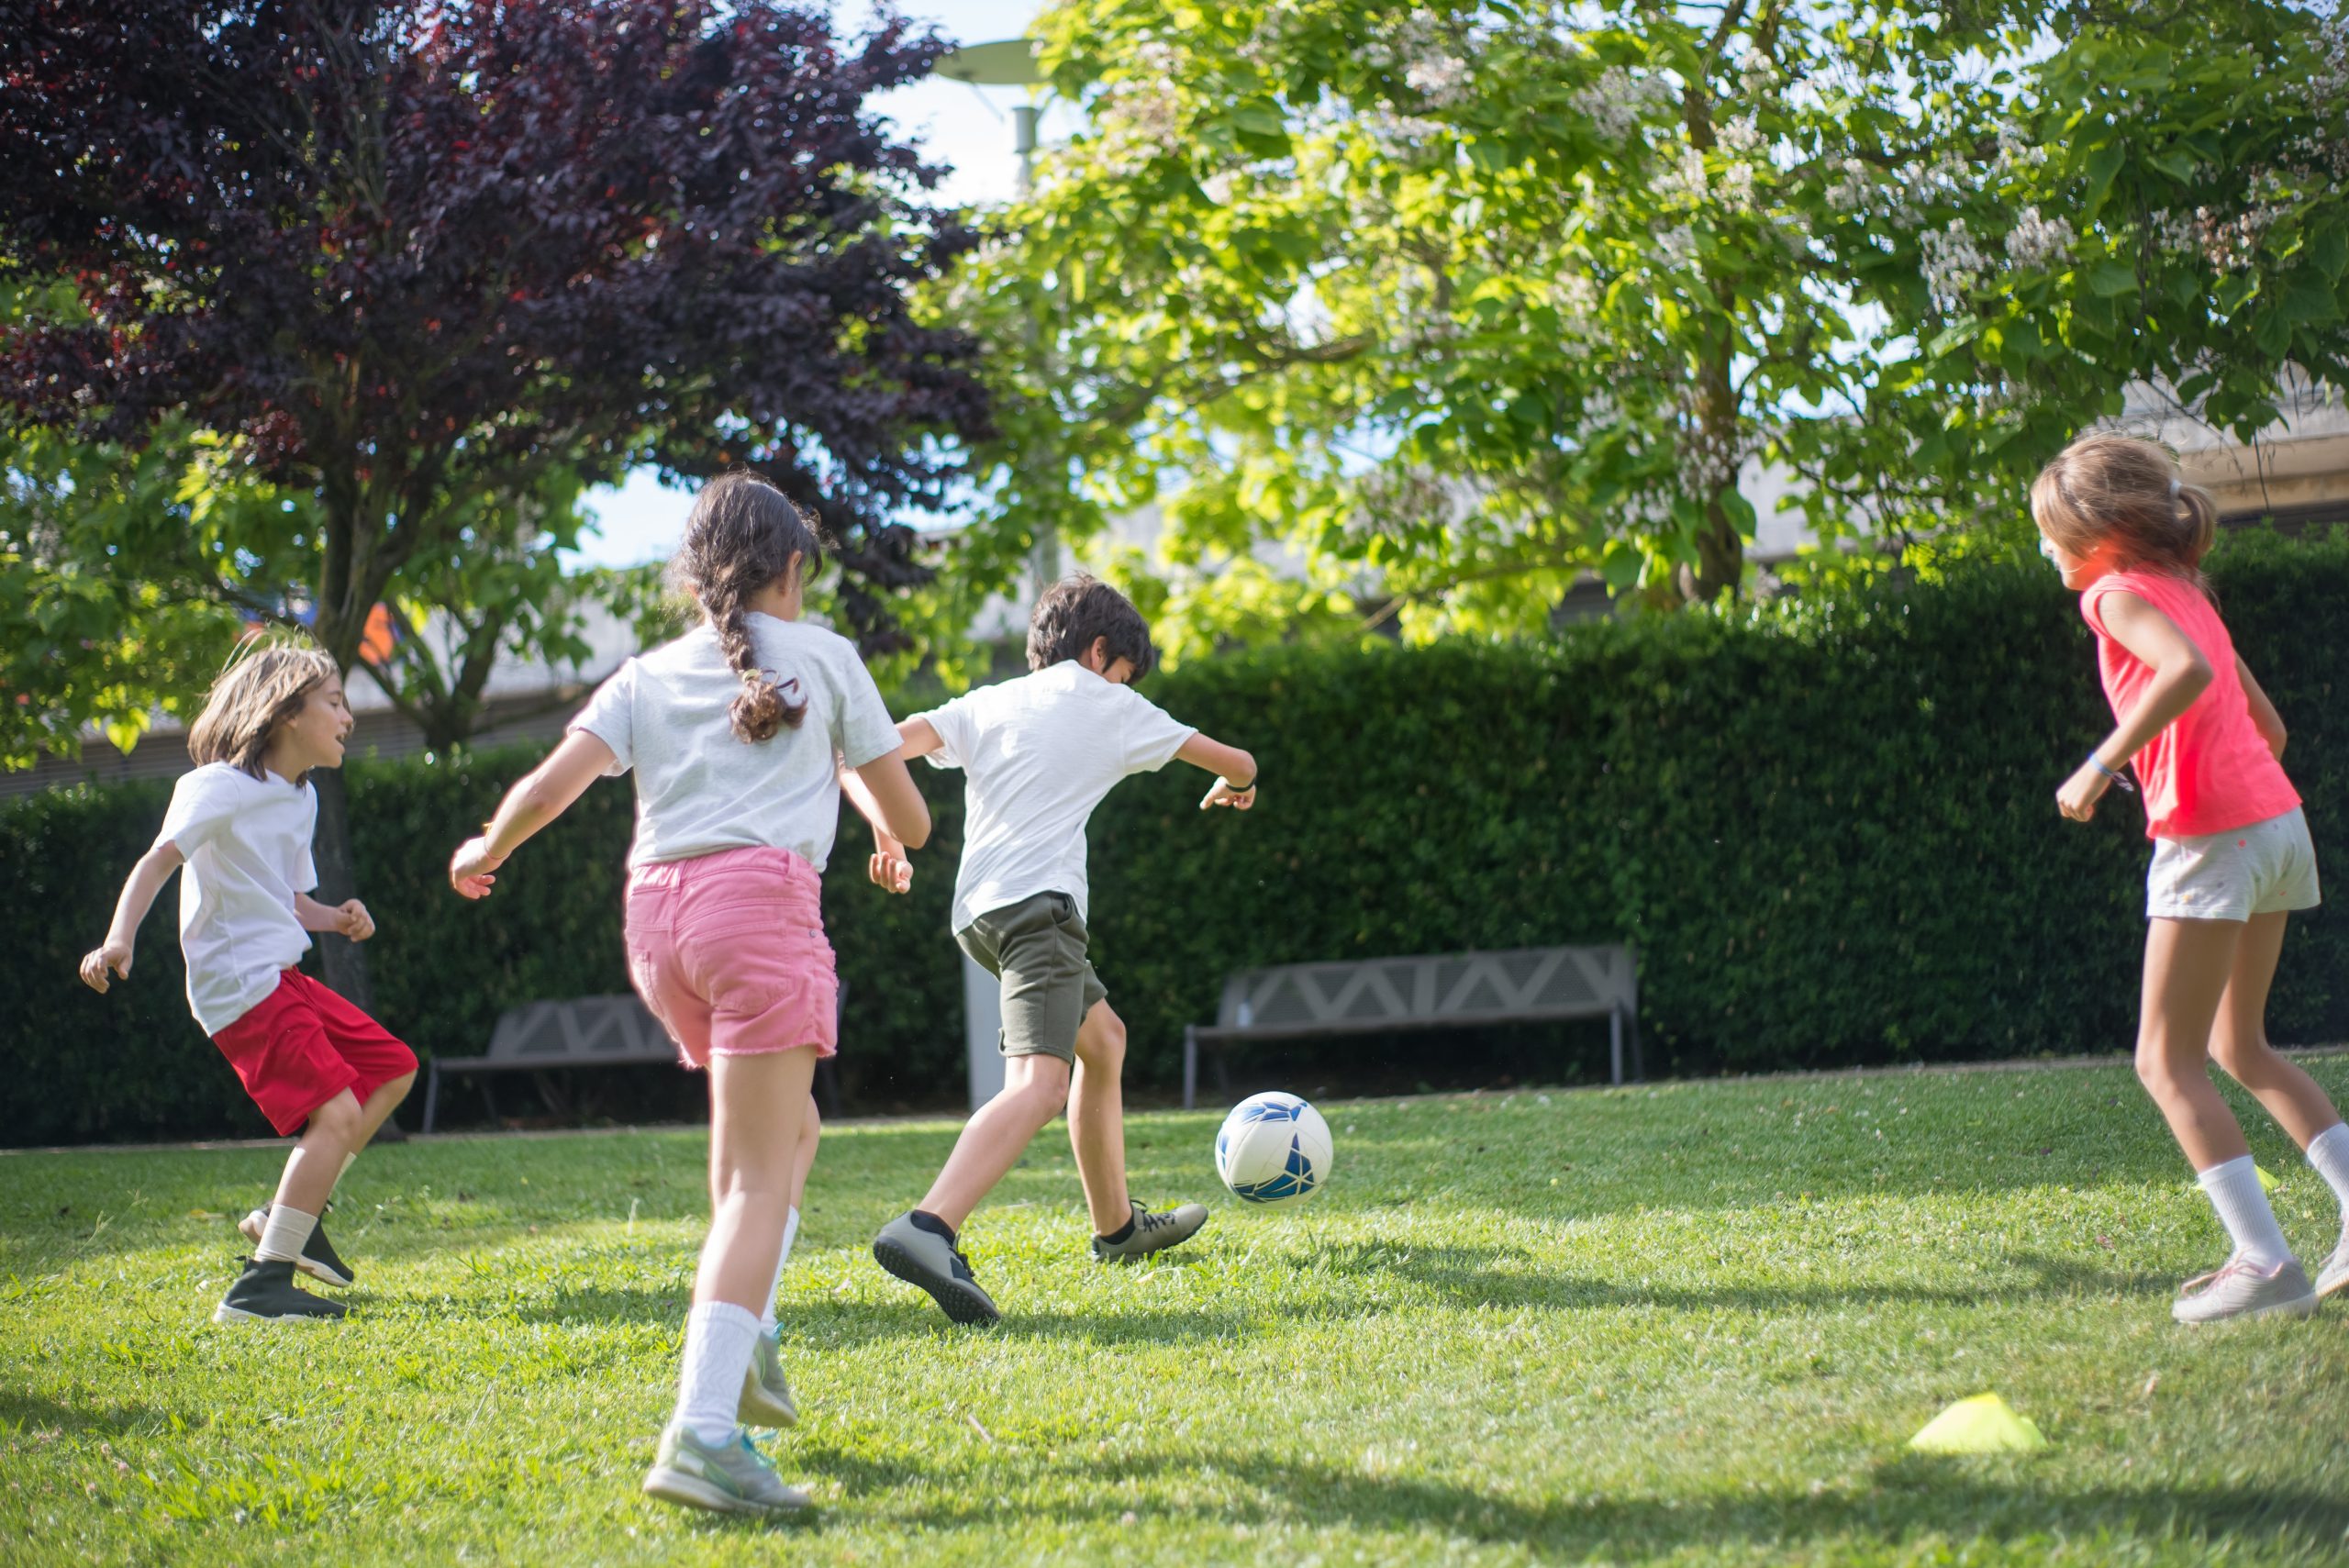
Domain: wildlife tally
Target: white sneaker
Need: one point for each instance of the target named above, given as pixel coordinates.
(729, 1478)
(2334, 1275)
(2241, 1289)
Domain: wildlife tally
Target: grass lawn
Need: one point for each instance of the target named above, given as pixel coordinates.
(1689, 1324)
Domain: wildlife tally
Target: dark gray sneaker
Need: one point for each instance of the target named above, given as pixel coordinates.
(319, 1260)
(1152, 1232)
(730, 1478)
(931, 1262)
(265, 1293)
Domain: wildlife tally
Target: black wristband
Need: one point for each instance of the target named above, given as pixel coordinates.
(1239, 789)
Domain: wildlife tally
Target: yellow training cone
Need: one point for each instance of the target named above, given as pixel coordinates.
(2267, 1184)
(1984, 1424)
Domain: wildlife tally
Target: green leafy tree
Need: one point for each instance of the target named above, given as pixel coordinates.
(1451, 305)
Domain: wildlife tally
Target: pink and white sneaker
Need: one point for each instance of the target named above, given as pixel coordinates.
(2242, 1289)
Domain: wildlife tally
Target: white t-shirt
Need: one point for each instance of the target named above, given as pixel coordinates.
(700, 788)
(1041, 752)
(246, 844)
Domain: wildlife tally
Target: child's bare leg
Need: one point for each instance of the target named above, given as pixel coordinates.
(1096, 1118)
(755, 1131)
(2239, 1037)
(811, 1129)
(377, 1107)
(2188, 964)
(335, 1129)
(1035, 1087)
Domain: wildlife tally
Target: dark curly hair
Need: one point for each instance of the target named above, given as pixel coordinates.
(739, 538)
(1074, 612)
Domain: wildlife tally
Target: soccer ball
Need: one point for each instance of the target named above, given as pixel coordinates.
(1273, 1149)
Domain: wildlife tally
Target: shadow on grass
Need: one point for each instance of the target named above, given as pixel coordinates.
(23, 1411)
(1902, 1499)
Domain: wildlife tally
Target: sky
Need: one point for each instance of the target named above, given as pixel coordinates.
(965, 129)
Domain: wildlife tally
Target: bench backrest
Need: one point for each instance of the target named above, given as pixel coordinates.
(1437, 988)
(584, 1028)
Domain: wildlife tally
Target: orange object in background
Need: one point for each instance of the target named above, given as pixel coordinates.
(375, 644)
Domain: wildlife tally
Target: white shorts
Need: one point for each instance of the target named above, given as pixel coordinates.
(2259, 870)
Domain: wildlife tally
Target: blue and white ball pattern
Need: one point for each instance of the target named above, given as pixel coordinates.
(1273, 1149)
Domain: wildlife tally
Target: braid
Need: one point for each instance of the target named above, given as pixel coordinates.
(742, 536)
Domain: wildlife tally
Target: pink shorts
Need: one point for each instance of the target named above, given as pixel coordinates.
(729, 952)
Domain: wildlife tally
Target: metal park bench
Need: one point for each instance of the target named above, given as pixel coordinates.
(1436, 991)
(587, 1031)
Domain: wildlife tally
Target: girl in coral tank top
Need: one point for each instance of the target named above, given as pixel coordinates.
(2232, 855)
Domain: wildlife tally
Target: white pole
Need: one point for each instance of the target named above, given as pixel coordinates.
(983, 1015)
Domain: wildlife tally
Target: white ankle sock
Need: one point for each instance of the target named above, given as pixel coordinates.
(2233, 1189)
(718, 1339)
(790, 1234)
(2329, 1152)
(284, 1235)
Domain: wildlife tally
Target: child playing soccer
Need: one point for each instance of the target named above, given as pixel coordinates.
(738, 732)
(238, 830)
(2232, 855)
(1041, 752)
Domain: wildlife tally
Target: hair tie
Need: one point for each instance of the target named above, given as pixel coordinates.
(2176, 487)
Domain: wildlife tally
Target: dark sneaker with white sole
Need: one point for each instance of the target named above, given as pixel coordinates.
(924, 1257)
(766, 1393)
(265, 1293)
(725, 1478)
(1152, 1232)
(319, 1260)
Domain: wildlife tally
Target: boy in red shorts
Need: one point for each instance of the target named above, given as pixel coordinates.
(240, 824)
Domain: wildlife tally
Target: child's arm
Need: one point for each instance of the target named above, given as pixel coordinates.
(349, 916)
(542, 795)
(2180, 676)
(885, 794)
(1235, 785)
(146, 880)
(888, 867)
(2264, 717)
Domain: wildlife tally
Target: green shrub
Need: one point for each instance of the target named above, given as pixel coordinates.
(1829, 828)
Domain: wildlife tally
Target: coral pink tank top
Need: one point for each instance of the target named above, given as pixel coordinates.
(2209, 772)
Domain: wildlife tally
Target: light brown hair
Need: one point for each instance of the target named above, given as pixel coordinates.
(264, 686)
(739, 538)
(2118, 489)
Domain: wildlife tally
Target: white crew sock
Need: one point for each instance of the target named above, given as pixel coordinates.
(2233, 1189)
(2329, 1152)
(790, 1234)
(718, 1339)
(284, 1235)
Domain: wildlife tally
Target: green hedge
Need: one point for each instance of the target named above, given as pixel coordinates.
(1829, 830)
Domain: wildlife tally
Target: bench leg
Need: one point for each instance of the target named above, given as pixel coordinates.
(1615, 1043)
(1190, 1066)
(431, 1097)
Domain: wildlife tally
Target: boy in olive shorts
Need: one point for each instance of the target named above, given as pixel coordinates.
(1040, 754)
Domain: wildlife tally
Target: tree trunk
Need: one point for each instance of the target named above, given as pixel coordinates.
(1721, 556)
(344, 960)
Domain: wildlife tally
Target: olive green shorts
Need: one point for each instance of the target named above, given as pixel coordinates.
(1036, 948)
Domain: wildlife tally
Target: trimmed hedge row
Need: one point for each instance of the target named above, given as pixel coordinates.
(1829, 828)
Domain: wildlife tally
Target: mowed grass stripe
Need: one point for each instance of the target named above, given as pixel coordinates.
(1691, 1323)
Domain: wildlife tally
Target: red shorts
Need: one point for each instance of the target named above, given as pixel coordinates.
(302, 1045)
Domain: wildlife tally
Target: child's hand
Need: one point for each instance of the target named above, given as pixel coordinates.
(2080, 793)
(354, 921)
(97, 960)
(1224, 795)
(470, 868)
(889, 869)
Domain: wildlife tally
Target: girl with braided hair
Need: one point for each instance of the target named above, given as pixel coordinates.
(739, 734)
